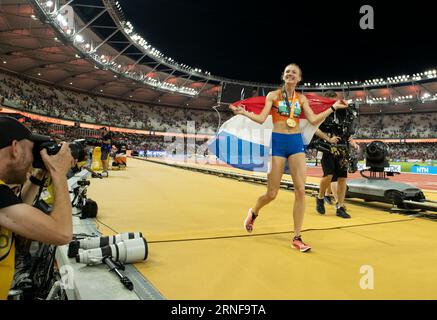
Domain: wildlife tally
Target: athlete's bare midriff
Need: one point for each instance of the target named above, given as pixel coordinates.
(281, 127)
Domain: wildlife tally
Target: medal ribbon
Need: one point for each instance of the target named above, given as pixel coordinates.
(293, 102)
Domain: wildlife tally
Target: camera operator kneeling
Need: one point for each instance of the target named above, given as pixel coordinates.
(17, 216)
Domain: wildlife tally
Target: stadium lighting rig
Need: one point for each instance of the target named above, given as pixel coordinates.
(139, 40)
(54, 15)
(428, 97)
(379, 100)
(53, 11)
(404, 98)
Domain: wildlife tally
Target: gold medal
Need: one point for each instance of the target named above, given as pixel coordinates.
(291, 123)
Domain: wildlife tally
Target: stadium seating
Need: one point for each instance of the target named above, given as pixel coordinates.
(57, 102)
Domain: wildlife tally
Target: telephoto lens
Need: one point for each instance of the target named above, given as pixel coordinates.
(129, 251)
(98, 242)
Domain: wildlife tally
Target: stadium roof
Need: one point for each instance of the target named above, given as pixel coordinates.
(34, 49)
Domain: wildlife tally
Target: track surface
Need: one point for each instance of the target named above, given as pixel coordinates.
(198, 249)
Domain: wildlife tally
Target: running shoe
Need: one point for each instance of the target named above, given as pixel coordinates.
(320, 205)
(328, 200)
(250, 220)
(341, 212)
(300, 245)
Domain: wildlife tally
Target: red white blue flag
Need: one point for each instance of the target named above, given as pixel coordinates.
(245, 144)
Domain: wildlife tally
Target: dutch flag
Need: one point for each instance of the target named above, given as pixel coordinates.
(245, 144)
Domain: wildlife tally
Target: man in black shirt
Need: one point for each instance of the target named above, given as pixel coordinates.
(335, 169)
(106, 138)
(17, 216)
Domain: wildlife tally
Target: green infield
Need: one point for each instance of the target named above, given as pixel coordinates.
(405, 166)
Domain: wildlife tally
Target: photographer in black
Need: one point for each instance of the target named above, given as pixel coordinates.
(337, 130)
(106, 139)
(17, 216)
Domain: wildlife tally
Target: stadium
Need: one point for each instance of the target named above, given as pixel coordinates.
(69, 68)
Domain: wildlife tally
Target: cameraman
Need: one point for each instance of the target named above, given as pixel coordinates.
(17, 216)
(335, 168)
(106, 147)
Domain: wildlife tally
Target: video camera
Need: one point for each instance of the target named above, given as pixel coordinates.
(341, 123)
(377, 156)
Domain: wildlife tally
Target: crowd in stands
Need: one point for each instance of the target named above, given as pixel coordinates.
(414, 125)
(139, 142)
(404, 151)
(134, 142)
(397, 151)
(61, 103)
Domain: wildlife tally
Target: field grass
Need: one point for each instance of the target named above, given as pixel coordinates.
(406, 166)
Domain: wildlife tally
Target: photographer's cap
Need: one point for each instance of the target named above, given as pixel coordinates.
(11, 129)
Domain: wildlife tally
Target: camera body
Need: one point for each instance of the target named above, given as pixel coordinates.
(77, 147)
(83, 206)
(93, 142)
(377, 156)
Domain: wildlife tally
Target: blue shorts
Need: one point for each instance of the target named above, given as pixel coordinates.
(285, 145)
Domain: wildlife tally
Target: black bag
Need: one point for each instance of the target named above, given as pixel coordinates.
(89, 209)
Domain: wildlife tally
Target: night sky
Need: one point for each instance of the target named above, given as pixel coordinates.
(247, 40)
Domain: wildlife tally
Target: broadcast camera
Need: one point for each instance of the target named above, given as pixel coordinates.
(341, 123)
(376, 154)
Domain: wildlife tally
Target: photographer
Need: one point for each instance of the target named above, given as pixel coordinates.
(17, 216)
(106, 147)
(335, 164)
(87, 161)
